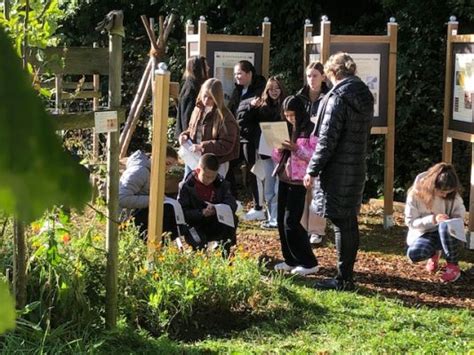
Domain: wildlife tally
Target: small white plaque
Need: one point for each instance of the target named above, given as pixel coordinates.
(106, 121)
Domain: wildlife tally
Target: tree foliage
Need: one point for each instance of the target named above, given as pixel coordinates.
(420, 62)
(35, 172)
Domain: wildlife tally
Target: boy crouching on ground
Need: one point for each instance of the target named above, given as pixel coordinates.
(201, 190)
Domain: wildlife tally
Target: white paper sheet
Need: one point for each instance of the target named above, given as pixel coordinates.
(224, 214)
(178, 210)
(456, 228)
(190, 158)
(263, 147)
(275, 133)
(258, 169)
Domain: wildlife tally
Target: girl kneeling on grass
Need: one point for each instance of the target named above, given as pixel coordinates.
(433, 199)
(292, 162)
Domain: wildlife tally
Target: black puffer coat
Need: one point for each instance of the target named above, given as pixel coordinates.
(340, 157)
(255, 89)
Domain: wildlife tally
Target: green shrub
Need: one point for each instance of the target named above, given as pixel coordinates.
(184, 288)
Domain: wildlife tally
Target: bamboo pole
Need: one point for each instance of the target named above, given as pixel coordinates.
(147, 78)
(158, 159)
(135, 110)
(115, 80)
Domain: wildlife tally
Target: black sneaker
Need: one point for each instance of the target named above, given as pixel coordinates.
(335, 284)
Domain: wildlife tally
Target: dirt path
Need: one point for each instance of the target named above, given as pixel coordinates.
(381, 264)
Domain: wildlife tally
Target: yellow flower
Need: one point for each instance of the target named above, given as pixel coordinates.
(35, 227)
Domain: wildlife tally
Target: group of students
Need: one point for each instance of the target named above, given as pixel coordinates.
(318, 173)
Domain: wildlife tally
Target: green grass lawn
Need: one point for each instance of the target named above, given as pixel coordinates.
(314, 321)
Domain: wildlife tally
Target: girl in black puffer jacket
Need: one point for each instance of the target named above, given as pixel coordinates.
(344, 123)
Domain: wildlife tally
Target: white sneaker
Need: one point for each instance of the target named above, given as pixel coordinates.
(240, 209)
(255, 215)
(269, 224)
(283, 267)
(315, 238)
(303, 271)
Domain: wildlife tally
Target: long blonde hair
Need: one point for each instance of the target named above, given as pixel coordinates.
(442, 177)
(213, 88)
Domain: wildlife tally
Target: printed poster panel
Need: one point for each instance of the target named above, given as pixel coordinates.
(224, 63)
(368, 69)
(463, 93)
(314, 57)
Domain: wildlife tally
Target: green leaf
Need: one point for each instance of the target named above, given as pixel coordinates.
(7, 309)
(35, 171)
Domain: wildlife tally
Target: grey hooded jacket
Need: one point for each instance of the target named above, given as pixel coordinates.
(134, 186)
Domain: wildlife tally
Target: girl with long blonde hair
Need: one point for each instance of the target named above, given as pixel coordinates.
(212, 127)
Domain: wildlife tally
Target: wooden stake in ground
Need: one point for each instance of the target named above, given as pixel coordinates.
(114, 25)
(158, 47)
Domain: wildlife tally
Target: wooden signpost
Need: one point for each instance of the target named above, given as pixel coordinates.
(458, 101)
(224, 51)
(376, 59)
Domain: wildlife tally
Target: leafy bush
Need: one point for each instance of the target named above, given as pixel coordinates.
(188, 289)
(184, 289)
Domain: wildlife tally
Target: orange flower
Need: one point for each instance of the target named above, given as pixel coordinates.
(66, 238)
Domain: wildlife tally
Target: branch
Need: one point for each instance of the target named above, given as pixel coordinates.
(46, 7)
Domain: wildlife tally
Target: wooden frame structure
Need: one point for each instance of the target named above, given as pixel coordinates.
(321, 47)
(98, 61)
(205, 44)
(452, 129)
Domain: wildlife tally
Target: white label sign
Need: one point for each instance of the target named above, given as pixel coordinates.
(106, 121)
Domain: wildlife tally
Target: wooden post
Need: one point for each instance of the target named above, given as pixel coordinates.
(266, 30)
(389, 166)
(95, 107)
(58, 86)
(158, 159)
(115, 80)
(189, 31)
(307, 33)
(448, 91)
(19, 263)
(202, 36)
(325, 39)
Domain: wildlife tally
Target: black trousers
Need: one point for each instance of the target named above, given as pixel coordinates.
(210, 229)
(294, 239)
(169, 221)
(250, 152)
(247, 155)
(346, 231)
